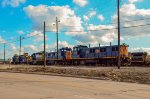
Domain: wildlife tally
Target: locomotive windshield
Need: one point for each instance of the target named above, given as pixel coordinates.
(79, 47)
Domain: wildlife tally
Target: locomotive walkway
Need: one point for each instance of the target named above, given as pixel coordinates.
(31, 86)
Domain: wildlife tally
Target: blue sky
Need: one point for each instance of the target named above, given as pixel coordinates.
(25, 18)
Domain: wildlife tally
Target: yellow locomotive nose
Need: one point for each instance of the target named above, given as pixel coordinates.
(68, 55)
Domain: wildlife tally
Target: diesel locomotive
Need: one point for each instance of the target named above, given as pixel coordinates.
(140, 58)
(84, 55)
(21, 59)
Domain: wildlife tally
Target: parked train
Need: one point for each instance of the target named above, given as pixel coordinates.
(83, 55)
(21, 59)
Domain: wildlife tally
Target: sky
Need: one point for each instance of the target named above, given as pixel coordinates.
(80, 22)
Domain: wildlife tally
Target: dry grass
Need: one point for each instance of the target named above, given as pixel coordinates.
(125, 74)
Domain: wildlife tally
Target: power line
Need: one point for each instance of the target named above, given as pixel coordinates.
(142, 19)
(29, 36)
(110, 28)
(137, 26)
(23, 38)
(19, 38)
(137, 20)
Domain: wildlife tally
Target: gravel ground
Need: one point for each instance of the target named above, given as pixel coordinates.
(125, 74)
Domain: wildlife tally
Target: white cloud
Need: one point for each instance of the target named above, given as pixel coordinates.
(96, 34)
(38, 35)
(13, 3)
(31, 48)
(141, 49)
(133, 1)
(49, 47)
(52, 47)
(92, 13)
(81, 3)
(101, 17)
(42, 13)
(2, 40)
(67, 17)
(20, 32)
(12, 46)
(11, 49)
(129, 12)
(64, 44)
(86, 18)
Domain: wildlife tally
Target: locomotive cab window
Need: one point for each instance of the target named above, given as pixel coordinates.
(53, 54)
(114, 48)
(75, 49)
(92, 50)
(103, 50)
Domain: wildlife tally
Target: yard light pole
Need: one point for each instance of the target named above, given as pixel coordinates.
(57, 34)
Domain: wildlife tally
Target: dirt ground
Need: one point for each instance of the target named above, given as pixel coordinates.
(125, 74)
(33, 86)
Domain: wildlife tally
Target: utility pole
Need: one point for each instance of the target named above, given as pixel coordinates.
(57, 35)
(4, 52)
(20, 46)
(44, 47)
(118, 8)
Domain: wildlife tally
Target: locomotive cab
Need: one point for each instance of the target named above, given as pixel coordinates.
(66, 53)
(79, 51)
(37, 58)
(15, 59)
(21, 59)
(139, 57)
